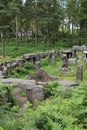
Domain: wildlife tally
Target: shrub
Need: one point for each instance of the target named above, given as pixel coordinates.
(45, 62)
(50, 89)
(28, 65)
(19, 72)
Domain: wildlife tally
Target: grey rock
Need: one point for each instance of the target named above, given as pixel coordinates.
(37, 65)
(67, 83)
(72, 61)
(79, 73)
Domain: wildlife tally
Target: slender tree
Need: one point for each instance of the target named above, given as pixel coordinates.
(15, 10)
(4, 22)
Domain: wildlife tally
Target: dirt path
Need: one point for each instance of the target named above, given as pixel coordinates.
(20, 99)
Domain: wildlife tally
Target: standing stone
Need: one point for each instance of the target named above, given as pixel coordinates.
(1, 74)
(4, 71)
(0, 66)
(9, 70)
(53, 60)
(73, 53)
(79, 73)
(64, 62)
(37, 65)
(85, 63)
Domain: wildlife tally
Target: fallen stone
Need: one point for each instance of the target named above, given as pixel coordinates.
(27, 84)
(67, 83)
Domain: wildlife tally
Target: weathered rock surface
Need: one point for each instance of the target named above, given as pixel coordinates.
(80, 48)
(33, 91)
(67, 83)
(36, 93)
(79, 73)
(41, 75)
(72, 61)
(27, 84)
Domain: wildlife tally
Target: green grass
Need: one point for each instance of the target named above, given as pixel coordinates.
(12, 52)
(54, 70)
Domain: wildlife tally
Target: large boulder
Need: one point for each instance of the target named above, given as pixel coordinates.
(41, 75)
(35, 94)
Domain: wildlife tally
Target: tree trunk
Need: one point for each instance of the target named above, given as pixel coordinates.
(37, 34)
(63, 30)
(48, 37)
(26, 33)
(26, 37)
(72, 28)
(16, 31)
(3, 44)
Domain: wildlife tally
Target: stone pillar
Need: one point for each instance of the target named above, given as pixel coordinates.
(0, 66)
(64, 62)
(79, 73)
(53, 60)
(73, 53)
(37, 65)
(85, 63)
(1, 74)
(4, 71)
(9, 70)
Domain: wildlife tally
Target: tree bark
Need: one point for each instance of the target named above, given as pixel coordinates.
(3, 44)
(37, 34)
(16, 31)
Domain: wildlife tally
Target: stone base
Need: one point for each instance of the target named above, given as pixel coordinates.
(65, 69)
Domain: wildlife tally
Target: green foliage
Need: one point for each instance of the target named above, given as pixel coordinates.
(6, 96)
(45, 62)
(23, 92)
(19, 71)
(8, 109)
(59, 112)
(1, 128)
(28, 65)
(27, 69)
(65, 109)
(50, 89)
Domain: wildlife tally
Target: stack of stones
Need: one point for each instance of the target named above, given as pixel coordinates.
(7, 67)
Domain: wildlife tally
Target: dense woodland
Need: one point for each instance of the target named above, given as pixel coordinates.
(39, 26)
(43, 20)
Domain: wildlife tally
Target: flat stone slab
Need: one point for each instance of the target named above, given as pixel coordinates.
(66, 51)
(67, 83)
(80, 48)
(27, 84)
